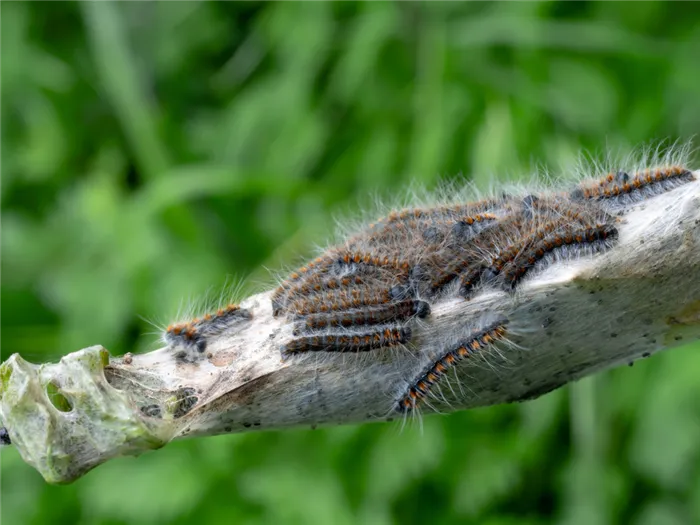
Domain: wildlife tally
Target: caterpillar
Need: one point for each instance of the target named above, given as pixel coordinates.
(370, 315)
(477, 341)
(193, 334)
(624, 188)
(350, 342)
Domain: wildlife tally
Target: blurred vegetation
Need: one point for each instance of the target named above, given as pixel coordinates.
(153, 151)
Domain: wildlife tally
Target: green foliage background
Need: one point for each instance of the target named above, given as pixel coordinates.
(150, 150)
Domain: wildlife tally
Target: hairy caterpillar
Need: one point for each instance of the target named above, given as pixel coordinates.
(623, 188)
(479, 339)
(192, 336)
(369, 315)
(350, 342)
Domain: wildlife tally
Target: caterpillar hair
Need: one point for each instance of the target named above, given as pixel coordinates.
(623, 188)
(477, 341)
(369, 315)
(190, 338)
(579, 241)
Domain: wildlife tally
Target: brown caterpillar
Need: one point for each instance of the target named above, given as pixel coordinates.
(596, 238)
(360, 296)
(370, 315)
(353, 342)
(623, 188)
(479, 339)
(194, 333)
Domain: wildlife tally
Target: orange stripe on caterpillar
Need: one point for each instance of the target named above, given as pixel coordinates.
(319, 265)
(624, 188)
(353, 342)
(320, 285)
(370, 315)
(194, 333)
(453, 211)
(358, 297)
(368, 259)
(185, 334)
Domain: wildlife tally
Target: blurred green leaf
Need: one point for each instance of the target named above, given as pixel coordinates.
(153, 153)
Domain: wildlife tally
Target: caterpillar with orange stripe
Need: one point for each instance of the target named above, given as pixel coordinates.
(478, 340)
(191, 337)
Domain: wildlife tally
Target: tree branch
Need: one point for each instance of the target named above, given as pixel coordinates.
(570, 321)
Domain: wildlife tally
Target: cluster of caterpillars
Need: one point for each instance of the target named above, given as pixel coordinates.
(369, 292)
